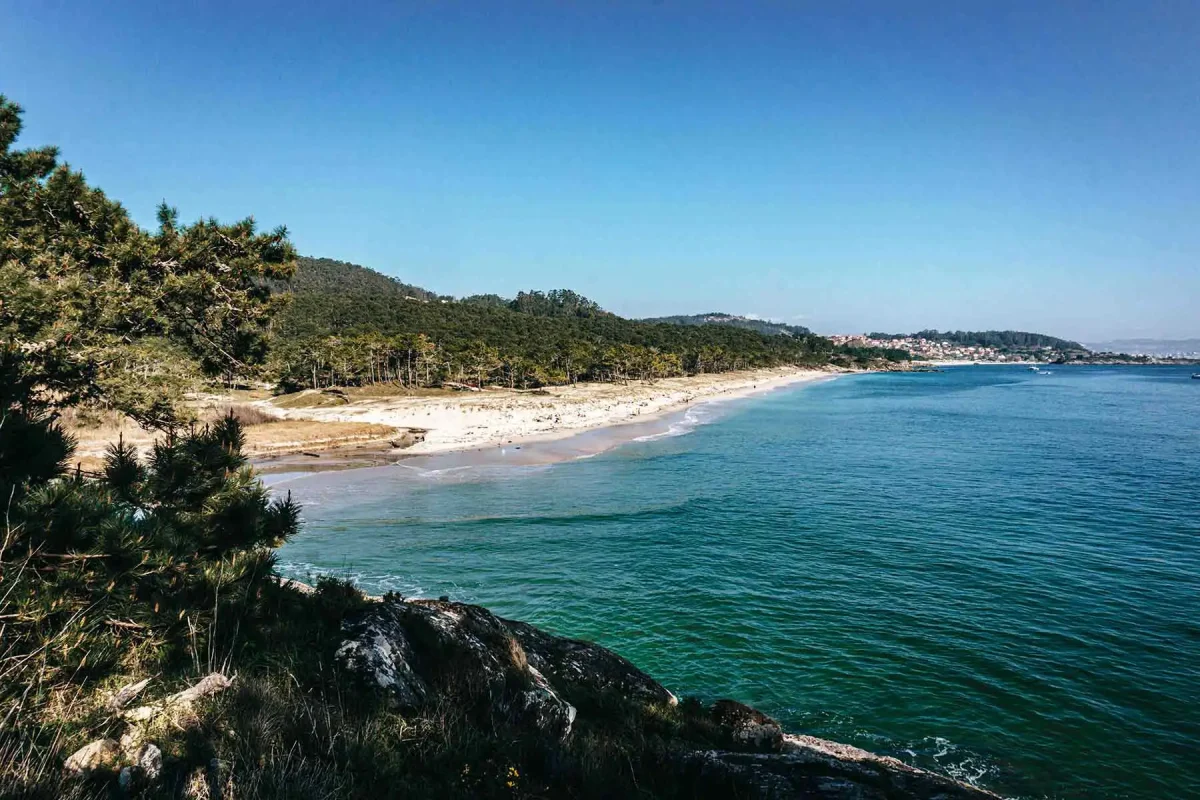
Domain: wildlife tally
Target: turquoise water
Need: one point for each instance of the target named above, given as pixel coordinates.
(986, 571)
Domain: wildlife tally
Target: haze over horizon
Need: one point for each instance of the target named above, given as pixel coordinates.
(851, 168)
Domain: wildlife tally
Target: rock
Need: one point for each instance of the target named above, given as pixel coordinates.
(126, 694)
(149, 762)
(476, 649)
(541, 705)
(299, 586)
(100, 756)
(810, 767)
(747, 727)
(207, 686)
(427, 652)
(131, 743)
(419, 649)
(377, 648)
(583, 669)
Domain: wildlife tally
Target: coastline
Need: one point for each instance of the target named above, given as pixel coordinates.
(494, 419)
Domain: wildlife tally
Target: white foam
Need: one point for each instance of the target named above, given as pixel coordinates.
(692, 418)
(436, 473)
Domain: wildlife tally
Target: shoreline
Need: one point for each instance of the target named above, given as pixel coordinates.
(567, 422)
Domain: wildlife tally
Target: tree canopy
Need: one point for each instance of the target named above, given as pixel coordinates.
(349, 328)
(764, 326)
(99, 309)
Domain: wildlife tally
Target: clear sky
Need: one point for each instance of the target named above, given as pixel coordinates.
(845, 165)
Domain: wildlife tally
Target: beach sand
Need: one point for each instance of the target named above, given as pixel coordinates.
(497, 417)
(339, 429)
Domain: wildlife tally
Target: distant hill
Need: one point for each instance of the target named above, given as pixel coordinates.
(1002, 340)
(314, 275)
(1150, 347)
(762, 326)
(346, 324)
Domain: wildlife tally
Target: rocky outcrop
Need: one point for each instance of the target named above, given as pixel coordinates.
(418, 652)
(583, 669)
(806, 766)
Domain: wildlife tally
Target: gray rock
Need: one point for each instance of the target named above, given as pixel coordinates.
(420, 649)
(100, 756)
(149, 762)
(541, 706)
(427, 651)
(581, 669)
(377, 648)
(126, 694)
(209, 685)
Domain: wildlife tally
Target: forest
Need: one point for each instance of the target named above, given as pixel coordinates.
(348, 325)
(721, 318)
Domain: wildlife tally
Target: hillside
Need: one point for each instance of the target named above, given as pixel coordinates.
(763, 326)
(347, 324)
(317, 275)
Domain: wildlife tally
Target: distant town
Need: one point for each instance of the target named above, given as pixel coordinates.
(1014, 347)
(944, 350)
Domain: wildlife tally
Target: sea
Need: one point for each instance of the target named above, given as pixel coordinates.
(987, 571)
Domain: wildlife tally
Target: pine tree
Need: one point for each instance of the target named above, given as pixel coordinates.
(156, 561)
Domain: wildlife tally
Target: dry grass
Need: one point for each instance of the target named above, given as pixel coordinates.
(311, 398)
(247, 415)
(292, 435)
(266, 434)
(341, 395)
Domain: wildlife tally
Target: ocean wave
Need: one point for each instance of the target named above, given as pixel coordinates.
(374, 583)
(435, 473)
(692, 418)
(938, 754)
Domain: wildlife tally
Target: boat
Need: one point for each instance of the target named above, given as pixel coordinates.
(1196, 376)
(1033, 369)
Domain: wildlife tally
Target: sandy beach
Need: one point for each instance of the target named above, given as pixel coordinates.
(469, 420)
(356, 427)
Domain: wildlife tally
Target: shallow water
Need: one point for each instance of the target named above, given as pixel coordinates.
(985, 571)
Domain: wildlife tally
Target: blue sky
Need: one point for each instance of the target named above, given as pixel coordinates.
(846, 165)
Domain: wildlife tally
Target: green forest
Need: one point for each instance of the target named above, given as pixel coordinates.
(348, 325)
(721, 318)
